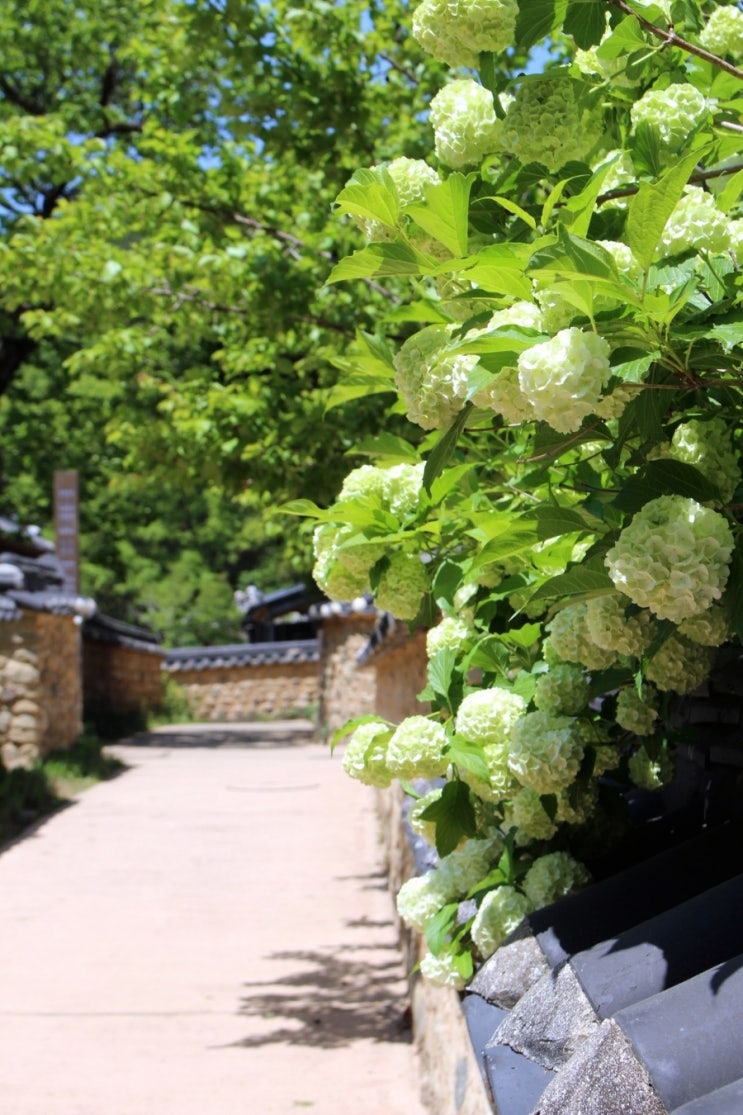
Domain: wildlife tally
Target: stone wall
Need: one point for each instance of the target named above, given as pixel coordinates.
(251, 692)
(401, 665)
(121, 680)
(40, 685)
(347, 689)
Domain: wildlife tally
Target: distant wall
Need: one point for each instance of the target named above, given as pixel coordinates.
(121, 680)
(250, 692)
(41, 697)
(347, 690)
(400, 665)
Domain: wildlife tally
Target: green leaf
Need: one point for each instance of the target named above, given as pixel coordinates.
(490, 655)
(499, 269)
(576, 582)
(470, 756)
(445, 215)
(379, 260)
(728, 331)
(304, 507)
(443, 451)
(388, 448)
(585, 20)
(552, 522)
(653, 204)
(511, 207)
(453, 815)
(370, 194)
(537, 18)
(441, 671)
(440, 927)
(351, 725)
(661, 478)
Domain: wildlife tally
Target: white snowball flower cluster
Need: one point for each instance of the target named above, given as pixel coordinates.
(571, 640)
(431, 382)
(650, 774)
(411, 178)
(466, 866)
(709, 447)
(673, 558)
(416, 749)
(488, 716)
(528, 814)
(575, 805)
(620, 174)
(552, 877)
(696, 223)
(557, 312)
(465, 125)
(456, 32)
(612, 629)
(624, 259)
(545, 751)
(419, 825)
(365, 482)
(674, 113)
(709, 629)
(613, 405)
(442, 970)
(723, 32)
(610, 69)
(637, 712)
(403, 485)
(500, 912)
(679, 666)
(342, 573)
(402, 586)
(419, 898)
(564, 689)
(451, 633)
(523, 313)
(365, 757)
(505, 397)
(547, 124)
(563, 378)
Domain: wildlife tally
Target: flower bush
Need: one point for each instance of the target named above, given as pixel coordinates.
(565, 338)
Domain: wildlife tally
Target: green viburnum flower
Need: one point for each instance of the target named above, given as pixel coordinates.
(528, 814)
(501, 911)
(679, 666)
(366, 482)
(501, 784)
(696, 223)
(723, 32)
(637, 712)
(465, 126)
(563, 378)
(505, 397)
(456, 32)
(709, 629)
(421, 897)
(416, 749)
(577, 804)
(546, 123)
(488, 716)
(552, 877)
(431, 382)
(612, 629)
(442, 970)
(342, 573)
(650, 774)
(612, 70)
(545, 751)
(402, 586)
(673, 558)
(709, 447)
(424, 828)
(613, 405)
(674, 113)
(620, 174)
(571, 640)
(564, 689)
(623, 258)
(411, 178)
(465, 866)
(451, 633)
(557, 312)
(403, 485)
(365, 755)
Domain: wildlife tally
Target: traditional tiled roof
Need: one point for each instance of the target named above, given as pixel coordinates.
(106, 629)
(286, 652)
(31, 577)
(259, 607)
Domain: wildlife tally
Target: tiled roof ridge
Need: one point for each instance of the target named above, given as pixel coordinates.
(242, 654)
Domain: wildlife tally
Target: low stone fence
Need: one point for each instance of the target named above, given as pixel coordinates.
(122, 671)
(248, 681)
(41, 697)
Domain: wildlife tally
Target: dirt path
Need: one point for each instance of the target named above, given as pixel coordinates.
(208, 934)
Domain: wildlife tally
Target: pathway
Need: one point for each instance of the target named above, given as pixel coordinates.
(207, 934)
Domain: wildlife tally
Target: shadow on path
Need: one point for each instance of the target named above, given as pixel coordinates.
(331, 1000)
(269, 734)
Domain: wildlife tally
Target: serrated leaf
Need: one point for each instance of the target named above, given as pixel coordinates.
(439, 927)
(500, 270)
(536, 19)
(662, 478)
(441, 670)
(381, 260)
(443, 451)
(387, 447)
(728, 332)
(585, 20)
(370, 194)
(304, 507)
(453, 815)
(490, 655)
(652, 205)
(351, 725)
(445, 214)
(576, 582)
(470, 756)
(553, 522)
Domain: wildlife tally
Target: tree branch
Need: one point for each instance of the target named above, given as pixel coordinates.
(670, 38)
(20, 100)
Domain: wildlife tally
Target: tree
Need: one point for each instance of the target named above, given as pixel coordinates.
(166, 231)
(576, 268)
